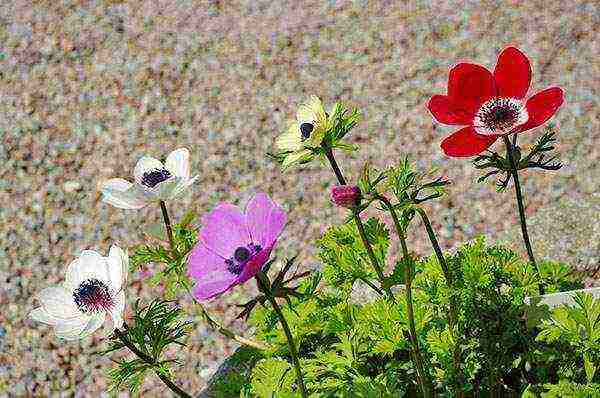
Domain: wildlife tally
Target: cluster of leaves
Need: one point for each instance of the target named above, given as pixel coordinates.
(155, 327)
(345, 257)
(173, 274)
(540, 156)
(350, 348)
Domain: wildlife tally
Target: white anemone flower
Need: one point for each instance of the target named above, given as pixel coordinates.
(93, 288)
(154, 182)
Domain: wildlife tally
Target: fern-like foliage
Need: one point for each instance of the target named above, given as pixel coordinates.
(344, 255)
(156, 327)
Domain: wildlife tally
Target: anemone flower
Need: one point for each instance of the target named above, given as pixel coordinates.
(93, 288)
(491, 105)
(233, 245)
(304, 133)
(154, 182)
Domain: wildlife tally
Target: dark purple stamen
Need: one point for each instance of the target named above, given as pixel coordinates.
(240, 258)
(93, 295)
(501, 115)
(156, 176)
(305, 130)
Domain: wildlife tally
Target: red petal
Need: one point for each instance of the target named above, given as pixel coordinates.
(469, 86)
(466, 142)
(541, 107)
(512, 73)
(445, 111)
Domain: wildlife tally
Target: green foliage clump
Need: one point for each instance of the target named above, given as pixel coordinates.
(350, 349)
(156, 326)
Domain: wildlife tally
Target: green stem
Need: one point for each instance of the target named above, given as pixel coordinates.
(165, 214)
(520, 206)
(453, 313)
(425, 383)
(361, 229)
(150, 361)
(264, 286)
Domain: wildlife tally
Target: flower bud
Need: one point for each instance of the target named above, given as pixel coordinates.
(345, 196)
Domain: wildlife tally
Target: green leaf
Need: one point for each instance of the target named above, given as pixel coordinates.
(272, 375)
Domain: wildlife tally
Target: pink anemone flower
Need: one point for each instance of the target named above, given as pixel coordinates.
(233, 245)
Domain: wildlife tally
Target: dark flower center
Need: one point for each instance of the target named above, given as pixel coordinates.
(156, 176)
(93, 295)
(305, 130)
(500, 115)
(240, 258)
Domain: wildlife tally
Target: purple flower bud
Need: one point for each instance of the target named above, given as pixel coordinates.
(345, 196)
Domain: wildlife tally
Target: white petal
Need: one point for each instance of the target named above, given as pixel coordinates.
(178, 163)
(182, 187)
(291, 140)
(122, 194)
(164, 190)
(81, 328)
(117, 311)
(118, 263)
(39, 314)
(58, 303)
(145, 164)
(89, 265)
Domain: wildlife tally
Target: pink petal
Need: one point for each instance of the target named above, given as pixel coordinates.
(224, 230)
(265, 220)
(210, 272)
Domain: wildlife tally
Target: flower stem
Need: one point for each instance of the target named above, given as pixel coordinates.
(453, 313)
(264, 286)
(165, 214)
(361, 228)
(150, 361)
(521, 207)
(425, 383)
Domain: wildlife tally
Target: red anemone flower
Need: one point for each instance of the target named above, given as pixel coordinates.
(491, 105)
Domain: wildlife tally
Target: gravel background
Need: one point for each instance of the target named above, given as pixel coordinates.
(87, 87)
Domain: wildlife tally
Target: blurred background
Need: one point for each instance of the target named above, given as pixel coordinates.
(88, 87)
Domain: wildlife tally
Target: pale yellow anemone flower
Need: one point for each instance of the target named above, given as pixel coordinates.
(304, 133)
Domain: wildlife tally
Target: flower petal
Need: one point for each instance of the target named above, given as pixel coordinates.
(291, 140)
(265, 220)
(145, 164)
(512, 73)
(39, 314)
(178, 163)
(79, 329)
(447, 112)
(122, 194)
(296, 158)
(166, 190)
(58, 303)
(182, 187)
(89, 265)
(224, 230)
(210, 272)
(541, 107)
(118, 264)
(469, 86)
(116, 313)
(466, 142)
